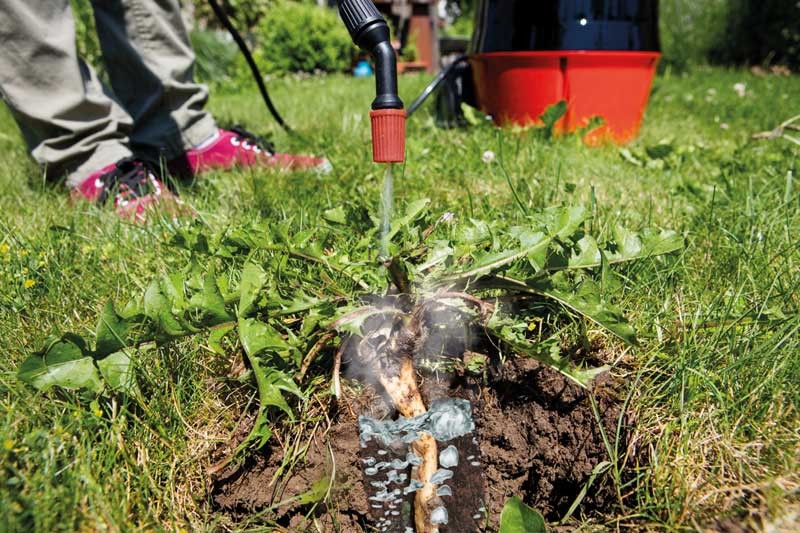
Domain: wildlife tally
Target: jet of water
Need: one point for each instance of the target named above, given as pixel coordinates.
(386, 213)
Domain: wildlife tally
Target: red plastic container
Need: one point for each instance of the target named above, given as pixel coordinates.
(516, 87)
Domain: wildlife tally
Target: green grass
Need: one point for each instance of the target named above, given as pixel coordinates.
(715, 397)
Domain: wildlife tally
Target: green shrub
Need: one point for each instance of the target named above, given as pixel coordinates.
(295, 37)
(691, 29)
(730, 32)
(763, 31)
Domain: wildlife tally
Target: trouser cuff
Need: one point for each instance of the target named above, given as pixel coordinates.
(105, 154)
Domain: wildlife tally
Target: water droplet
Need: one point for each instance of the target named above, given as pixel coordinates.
(444, 490)
(413, 459)
(441, 475)
(439, 515)
(448, 457)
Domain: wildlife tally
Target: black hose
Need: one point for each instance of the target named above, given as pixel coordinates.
(223, 18)
(426, 92)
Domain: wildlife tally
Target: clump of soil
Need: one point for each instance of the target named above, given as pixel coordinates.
(537, 434)
(540, 439)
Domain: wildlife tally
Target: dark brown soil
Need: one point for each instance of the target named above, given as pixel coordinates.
(537, 434)
(540, 440)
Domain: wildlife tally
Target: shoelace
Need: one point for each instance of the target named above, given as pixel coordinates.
(253, 139)
(131, 178)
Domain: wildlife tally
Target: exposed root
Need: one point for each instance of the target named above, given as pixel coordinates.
(337, 371)
(389, 351)
(403, 391)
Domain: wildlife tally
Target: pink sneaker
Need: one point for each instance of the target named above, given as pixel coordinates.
(134, 189)
(239, 148)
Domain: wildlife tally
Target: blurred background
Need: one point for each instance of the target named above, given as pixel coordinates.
(306, 36)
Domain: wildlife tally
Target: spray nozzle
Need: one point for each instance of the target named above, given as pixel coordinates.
(370, 32)
(388, 135)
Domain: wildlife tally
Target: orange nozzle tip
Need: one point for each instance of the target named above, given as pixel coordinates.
(388, 135)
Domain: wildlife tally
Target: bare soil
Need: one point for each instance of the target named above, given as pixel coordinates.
(537, 434)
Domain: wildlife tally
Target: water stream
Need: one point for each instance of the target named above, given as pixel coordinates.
(386, 213)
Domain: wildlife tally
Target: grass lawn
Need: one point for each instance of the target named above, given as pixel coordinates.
(712, 387)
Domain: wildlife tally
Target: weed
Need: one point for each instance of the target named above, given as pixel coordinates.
(715, 402)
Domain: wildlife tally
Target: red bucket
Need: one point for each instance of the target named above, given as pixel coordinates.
(516, 87)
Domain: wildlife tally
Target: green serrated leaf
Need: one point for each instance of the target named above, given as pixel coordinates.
(259, 337)
(651, 242)
(261, 432)
(628, 243)
(299, 302)
(158, 307)
(570, 220)
(272, 384)
(659, 242)
(586, 301)
(112, 331)
(210, 301)
(439, 253)
(475, 232)
(519, 518)
(253, 280)
(216, 336)
(256, 338)
(351, 319)
(512, 333)
(64, 363)
(486, 263)
(588, 253)
(337, 215)
(117, 369)
(552, 114)
(413, 211)
(172, 287)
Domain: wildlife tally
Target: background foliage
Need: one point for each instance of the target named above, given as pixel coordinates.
(299, 36)
(728, 32)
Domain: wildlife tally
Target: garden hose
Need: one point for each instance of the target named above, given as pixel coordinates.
(223, 18)
(433, 85)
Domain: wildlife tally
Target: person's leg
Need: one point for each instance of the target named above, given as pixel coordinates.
(69, 123)
(150, 64)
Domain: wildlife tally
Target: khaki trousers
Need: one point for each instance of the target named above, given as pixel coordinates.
(72, 122)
